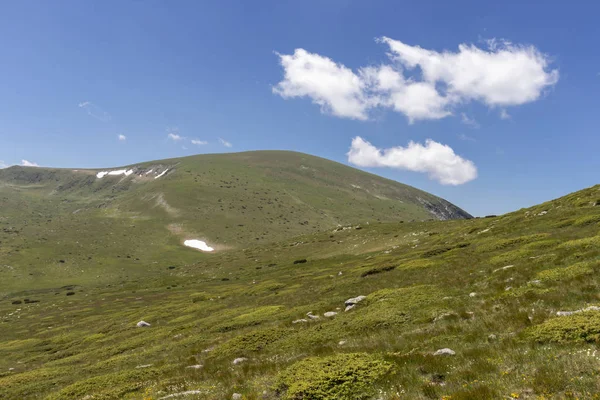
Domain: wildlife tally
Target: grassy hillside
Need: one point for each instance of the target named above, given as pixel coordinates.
(514, 298)
(63, 225)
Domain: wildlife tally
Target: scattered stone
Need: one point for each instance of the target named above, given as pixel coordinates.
(236, 396)
(355, 300)
(492, 337)
(350, 307)
(142, 324)
(239, 360)
(508, 288)
(181, 394)
(340, 273)
(342, 342)
(144, 366)
(197, 366)
(504, 268)
(472, 294)
(567, 313)
(11, 369)
(543, 213)
(299, 321)
(444, 352)
(311, 316)
(330, 314)
(444, 316)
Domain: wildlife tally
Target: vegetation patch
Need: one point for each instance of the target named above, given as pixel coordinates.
(248, 343)
(256, 317)
(567, 273)
(579, 327)
(341, 376)
(587, 220)
(592, 242)
(377, 270)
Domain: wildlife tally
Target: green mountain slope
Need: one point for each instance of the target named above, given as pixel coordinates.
(88, 225)
(513, 298)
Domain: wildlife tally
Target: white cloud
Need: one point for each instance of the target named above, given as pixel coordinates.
(500, 76)
(225, 142)
(437, 160)
(332, 86)
(95, 111)
(199, 142)
(462, 136)
(504, 114)
(122, 138)
(175, 137)
(465, 119)
(3, 165)
(26, 163)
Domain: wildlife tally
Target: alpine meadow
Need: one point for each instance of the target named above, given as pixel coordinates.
(315, 200)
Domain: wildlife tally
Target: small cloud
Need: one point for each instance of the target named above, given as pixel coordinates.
(462, 136)
(184, 148)
(199, 142)
(225, 142)
(95, 111)
(122, 138)
(26, 163)
(175, 137)
(504, 114)
(435, 159)
(465, 119)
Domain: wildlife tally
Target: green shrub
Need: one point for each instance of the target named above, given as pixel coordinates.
(248, 343)
(587, 220)
(500, 244)
(341, 376)
(579, 327)
(567, 273)
(586, 243)
(252, 318)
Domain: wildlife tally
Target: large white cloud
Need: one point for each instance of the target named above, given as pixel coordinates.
(332, 86)
(502, 75)
(437, 160)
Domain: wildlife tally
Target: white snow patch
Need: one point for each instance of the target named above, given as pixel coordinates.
(198, 244)
(161, 174)
(125, 172)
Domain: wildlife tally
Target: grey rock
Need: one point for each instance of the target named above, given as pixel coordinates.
(142, 324)
(236, 396)
(342, 342)
(472, 294)
(299, 321)
(239, 360)
(444, 352)
(197, 366)
(567, 313)
(350, 307)
(330, 314)
(492, 337)
(354, 300)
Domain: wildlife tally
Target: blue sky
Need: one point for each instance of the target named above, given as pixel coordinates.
(511, 122)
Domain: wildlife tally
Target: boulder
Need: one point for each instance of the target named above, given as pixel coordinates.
(354, 300)
(444, 352)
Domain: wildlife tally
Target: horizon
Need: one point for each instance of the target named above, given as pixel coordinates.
(485, 108)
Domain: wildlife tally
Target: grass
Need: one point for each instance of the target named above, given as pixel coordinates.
(210, 309)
